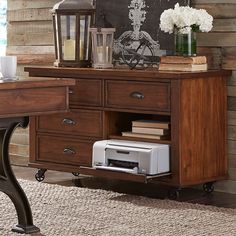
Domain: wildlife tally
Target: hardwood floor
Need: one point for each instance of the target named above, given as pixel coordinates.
(150, 190)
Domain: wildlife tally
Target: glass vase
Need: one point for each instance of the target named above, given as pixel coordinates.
(185, 43)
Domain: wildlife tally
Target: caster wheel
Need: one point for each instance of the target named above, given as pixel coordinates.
(75, 173)
(173, 194)
(208, 187)
(39, 177)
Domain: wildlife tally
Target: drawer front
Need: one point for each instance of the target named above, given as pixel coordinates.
(76, 122)
(138, 95)
(86, 92)
(64, 151)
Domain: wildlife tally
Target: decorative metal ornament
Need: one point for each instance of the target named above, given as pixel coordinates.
(71, 21)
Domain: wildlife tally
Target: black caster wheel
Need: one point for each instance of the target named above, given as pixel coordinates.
(40, 175)
(208, 187)
(75, 174)
(173, 194)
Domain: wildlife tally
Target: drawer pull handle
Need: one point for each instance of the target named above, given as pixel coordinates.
(71, 91)
(68, 121)
(137, 95)
(69, 151)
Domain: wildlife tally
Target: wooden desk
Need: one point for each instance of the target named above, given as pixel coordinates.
(105, 102)
(18, 100)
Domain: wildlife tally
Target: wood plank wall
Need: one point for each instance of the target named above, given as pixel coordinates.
(221, 44)
(30, 37)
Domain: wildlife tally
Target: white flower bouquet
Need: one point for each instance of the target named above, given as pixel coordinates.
(184, 19)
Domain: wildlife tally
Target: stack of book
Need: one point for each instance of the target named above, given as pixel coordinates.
(150, 129)
(180, 63)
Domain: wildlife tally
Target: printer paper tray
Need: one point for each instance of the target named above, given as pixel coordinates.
(120, 175)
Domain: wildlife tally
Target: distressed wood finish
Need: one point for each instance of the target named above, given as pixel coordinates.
(18, 100)
(203, 117)
(223, 38)
(196, 105)
(49, 94)
(76, 122)
(64, 151)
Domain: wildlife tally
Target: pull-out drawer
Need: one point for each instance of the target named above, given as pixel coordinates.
(124, 176)
(64, 151)
(86, 92)
(138, 95)
(76, 122)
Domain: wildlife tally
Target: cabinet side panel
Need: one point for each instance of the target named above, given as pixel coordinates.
(32, 139)
(203, 130)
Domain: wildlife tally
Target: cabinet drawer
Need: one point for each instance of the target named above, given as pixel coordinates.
(76, 122)
(64, 151)
(138, 95)
(86, 92)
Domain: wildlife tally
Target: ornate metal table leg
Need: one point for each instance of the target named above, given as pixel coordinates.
(8, 183)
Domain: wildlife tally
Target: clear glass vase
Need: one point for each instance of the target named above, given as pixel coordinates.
(185, 43)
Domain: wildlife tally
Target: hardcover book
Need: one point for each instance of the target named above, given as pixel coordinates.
(184, 60)
(155, 131)
(151, 124)
(148, 136)
(182, 67)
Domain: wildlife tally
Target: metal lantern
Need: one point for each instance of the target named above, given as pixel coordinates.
(102, 45)
(71, 21)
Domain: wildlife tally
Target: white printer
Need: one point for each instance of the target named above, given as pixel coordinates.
(131, 157)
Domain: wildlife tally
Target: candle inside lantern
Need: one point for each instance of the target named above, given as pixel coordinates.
(100, 54)
(69, 49)
(103, 55)
(81, 50)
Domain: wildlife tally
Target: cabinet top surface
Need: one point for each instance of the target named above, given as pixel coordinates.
(35, 82)
(117, 73)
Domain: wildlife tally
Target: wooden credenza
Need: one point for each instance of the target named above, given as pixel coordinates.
(105, 102)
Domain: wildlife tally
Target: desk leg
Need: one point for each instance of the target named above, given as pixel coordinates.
(8, 183)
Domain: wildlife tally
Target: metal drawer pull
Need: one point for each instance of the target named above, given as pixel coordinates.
(137, 95)
(68, 121)
(71, 91)
(69, 151)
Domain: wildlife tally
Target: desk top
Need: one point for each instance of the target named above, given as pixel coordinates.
(152, 73)
(30, 96)
(35, 82)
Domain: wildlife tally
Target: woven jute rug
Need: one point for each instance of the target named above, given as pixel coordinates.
(73, 211)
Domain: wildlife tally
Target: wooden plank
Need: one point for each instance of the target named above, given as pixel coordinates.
(22, 150)
(232, 132)
(221, 10)
(23, 4)
(18, 138)
(231, 117)
(224, 25)
(30, 39)
(194, 2)
(29, 14)
(213, 54)
(28, 50)
(228, 64)
(20, 130)
(20, 70)
(232, 173)
(232, 91)
(232, 160)
(25, 27)
(232, 103)
(37, 59)
(216, 39)
(19, 160)
(229, 58)
(232, 79)
(231, 147)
